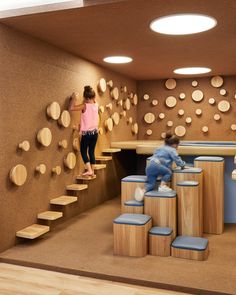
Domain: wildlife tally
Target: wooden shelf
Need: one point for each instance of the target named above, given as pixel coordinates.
(33, 231)
(63, 200)
(111, 150)
(76, 187)
(103, 158)
(88, 178)
(50, 215)
(99, 166)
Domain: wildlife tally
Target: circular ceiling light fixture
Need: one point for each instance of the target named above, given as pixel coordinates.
(183, 24)
(118, 59)
(192, 70)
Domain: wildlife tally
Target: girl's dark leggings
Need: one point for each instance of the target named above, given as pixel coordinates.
(87, 147)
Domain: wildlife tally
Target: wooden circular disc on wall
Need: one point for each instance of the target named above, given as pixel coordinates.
(149, 118)
(170, 84)
(54, 110)
(223, 91)
(127, 104)
(65, 119)
(169, 123)
(120, 103)
(56, 170)
(211, 100)
(100, 130)
(217, 81)
(101, 109)
(130, 95)
(63, 143)
(171, 101)
(24, 145)
(135, 99)
(110, 83)
(217, 117)
(223, 106)
(233, 127)
(181, 112)
(161, 116)
(123, 114)
(205, 129)
(102, 85)
(130, 120)
(154, 102)
(109, 124)
(115, 93)
(41, 168)
(109, 106)
(180, 131)
(146, 97)
(70, 160)
(123, 89)
(182, 95)
(135, 128)
(18, 174)
(198, 112)
(44, 136)
(188, 120)
(76, 144)
(116, 118)
(197, 95)
(149, 132)
(194, 83)
(163, 135)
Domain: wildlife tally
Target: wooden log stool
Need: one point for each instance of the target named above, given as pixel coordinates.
(160, 239)
(133, 206)
(213, 193)
(190, 248)
(130, 233)
(162, 207)
(189, 208)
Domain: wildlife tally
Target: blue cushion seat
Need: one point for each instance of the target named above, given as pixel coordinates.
(132, 219)
(188, 183)
(187, 170)
(133, 203)
(190, 243)
(160, 231)
(135, 178)
(157, 194)
(209, 159)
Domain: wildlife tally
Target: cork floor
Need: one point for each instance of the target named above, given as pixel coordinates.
(83, 246)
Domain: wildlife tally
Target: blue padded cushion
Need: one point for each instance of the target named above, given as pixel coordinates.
(209, 159)
(187, 170)
(157, 194)
(188, 183)
(133, 203)
(135, 178)
(190, 243)
(160, 231)
(132, 219)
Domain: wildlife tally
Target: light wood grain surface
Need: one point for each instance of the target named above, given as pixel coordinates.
(217, 81)
(170, 84)
(18, 174)
(54, 110)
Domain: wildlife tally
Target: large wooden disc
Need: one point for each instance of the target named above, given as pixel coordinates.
(149, 132)
(65, 119)
(198, 112)
(76, 144)
(211, 100)
(180, 131)
(44, 136)
(171, 101)
(70, 160)
(217, 81)
(217, 117)
(135, 128)
(223, 91)
(24, 145)
(127, 104)
(135, 99)
(170, 84)
(115, 93)
(54, 110)
(194, 83)
(169, 123)
(197, 95)
(161, 116)
(102, 85)
(18, 174)
(149, 118)
(223, 106)
(109, 124)
(146, 97)
(181, 112)
(116, 118)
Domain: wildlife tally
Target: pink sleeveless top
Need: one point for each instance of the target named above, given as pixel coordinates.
(89, 119)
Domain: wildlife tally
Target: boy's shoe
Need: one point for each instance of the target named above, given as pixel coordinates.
(164, 188)
(139, 194)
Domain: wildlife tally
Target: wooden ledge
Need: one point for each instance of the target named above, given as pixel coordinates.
(63, 200)
(103, 158)
(33, 231)
(84, 177)
(99, 166)
(50, 215)
(111, 150)
(76, 187)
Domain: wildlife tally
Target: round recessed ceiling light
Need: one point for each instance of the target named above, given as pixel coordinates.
(183, 24)
(192, 71)
(118, 59)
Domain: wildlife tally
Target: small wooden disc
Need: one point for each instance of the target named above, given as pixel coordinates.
(24, 145)
(115, 93)
(101, 109)
(170, 84)
(56, 170)
(234, 174)
(63, 143)
(180, 131)
(181, 112)
(194, 83)
(188, 120)
(130, 95)
(182, 95)
(102, 85)
(130, 120)
(146, 97)
(127, 104)
(169, 123)
(216, 117)
(217, 81)
(116, 118)
(123, 114)
(197, 95)
(223, 106)
(205, 129)
(233, 127)
(44, 136)
(54, 110)
(223, 92)
(70, 160)
(76, 144)
(161, 116)
(135, 128)
(135, 99)
(123, 89)
(109, 124)
(235, 95)
(109, 106)
(163, 135)
(211, 100)
(120, 102)
(100, 130)
(110, 83)
(149, 118)
(18, 174)
(41, 168)
(171, 101)
(198, 112)
(65, 119)
(149, 132)
(154, 102)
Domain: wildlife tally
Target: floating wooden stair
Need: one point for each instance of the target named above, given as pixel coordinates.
(76, 187)
(99, 166)
(50, 215)
(63, 200)
(82, 177)
(103, 158)
(33, 231)
(111, 150)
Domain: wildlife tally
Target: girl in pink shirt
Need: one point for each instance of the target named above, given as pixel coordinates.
(88, 128)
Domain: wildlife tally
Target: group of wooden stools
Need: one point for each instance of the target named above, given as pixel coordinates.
(172, 223)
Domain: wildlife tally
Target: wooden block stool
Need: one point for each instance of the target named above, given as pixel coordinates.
(131, 234)
(213, 193)
(190, 248)
(189, 208)
(160, 239)
(162, 207)
(133, 206)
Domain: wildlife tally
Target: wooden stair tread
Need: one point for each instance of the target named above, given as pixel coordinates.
(103, 158)
(33, 231)
(76, 187)
(50, 215)
(82, 177)
(63, 200)
(99, 166)
(111, 150)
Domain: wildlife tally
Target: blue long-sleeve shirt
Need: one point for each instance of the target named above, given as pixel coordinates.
(167, 155)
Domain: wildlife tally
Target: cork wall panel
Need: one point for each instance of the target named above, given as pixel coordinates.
(32, 75)
(217, 129)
